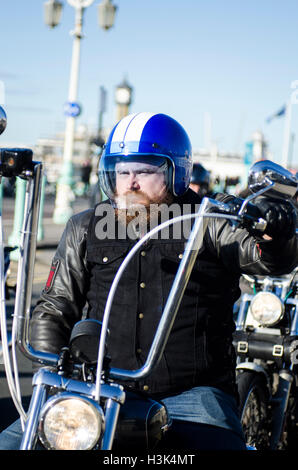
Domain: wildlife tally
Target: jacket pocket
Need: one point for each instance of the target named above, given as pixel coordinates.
(107, 255)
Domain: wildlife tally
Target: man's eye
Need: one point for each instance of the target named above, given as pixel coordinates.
(145, 172)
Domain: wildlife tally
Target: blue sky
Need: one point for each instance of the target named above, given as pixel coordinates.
(233, 59)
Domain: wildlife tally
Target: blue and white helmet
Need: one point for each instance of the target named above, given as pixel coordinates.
(151, 138)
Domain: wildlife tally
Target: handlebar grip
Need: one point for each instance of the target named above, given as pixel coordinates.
(251, 217)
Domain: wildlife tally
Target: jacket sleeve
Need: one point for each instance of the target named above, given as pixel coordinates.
(62, 300)
(242, 252)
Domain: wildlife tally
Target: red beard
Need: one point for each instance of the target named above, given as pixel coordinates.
(135, 208)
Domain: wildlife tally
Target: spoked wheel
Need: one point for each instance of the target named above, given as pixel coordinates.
(253, 408)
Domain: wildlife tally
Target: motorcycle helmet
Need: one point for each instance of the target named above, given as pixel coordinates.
(200, 179)
(200, 175)
(154, 139)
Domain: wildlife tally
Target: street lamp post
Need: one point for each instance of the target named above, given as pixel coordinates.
(64, 194)
(52, 13)
(287, 136)
(123, 97)
(106, 14)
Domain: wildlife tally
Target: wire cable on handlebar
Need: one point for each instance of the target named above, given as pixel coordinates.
(14, 333)
(13, 387)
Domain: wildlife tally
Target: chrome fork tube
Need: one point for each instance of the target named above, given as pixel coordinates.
(241, 317)
(30, 433)
(280, 406)
(111, 420)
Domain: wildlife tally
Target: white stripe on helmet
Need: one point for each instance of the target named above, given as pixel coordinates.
(121, 128)
(131, 127)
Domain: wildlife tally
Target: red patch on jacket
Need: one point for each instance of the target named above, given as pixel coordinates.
(52, 275)
(259, 249)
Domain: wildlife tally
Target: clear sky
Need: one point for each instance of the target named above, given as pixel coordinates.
(233, 59)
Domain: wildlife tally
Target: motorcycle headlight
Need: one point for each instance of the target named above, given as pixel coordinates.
(266, 308)
(70, 422)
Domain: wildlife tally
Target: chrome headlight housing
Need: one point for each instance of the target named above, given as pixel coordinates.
(70, 422)
(266, 308)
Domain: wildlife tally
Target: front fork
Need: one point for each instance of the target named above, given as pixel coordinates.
(111, 420)
(280, 405)
(37, 401)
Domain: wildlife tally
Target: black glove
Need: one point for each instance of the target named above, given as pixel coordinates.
(279, 215)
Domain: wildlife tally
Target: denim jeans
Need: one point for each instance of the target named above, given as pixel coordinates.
(207, 405)
(11, 437)
(203, 418)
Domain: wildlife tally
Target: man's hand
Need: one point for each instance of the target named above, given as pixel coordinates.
(280, 217)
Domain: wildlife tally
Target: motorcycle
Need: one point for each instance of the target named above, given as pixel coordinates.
(77, 402)
(266, 344)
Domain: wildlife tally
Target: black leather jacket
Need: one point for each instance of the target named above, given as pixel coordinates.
(199, 350)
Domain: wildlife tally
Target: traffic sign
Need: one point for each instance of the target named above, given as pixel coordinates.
(72, 109)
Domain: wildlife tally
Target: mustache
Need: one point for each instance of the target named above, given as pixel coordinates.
(133, 197)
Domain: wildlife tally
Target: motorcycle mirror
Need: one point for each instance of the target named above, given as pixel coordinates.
(15, 162)
(280, 183)
(3, 120)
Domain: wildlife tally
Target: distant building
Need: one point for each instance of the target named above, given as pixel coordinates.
(221, 164)
(50, 152)
(227, 169)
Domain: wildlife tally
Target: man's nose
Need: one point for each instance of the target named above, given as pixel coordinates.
(132, 182)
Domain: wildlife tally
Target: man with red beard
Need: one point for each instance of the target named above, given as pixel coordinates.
(146, 168)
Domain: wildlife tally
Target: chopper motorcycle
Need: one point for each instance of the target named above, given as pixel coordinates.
(77, 402)
(266, 343)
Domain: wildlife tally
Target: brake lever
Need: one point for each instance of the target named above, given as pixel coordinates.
(248, 214)
(251, 223)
